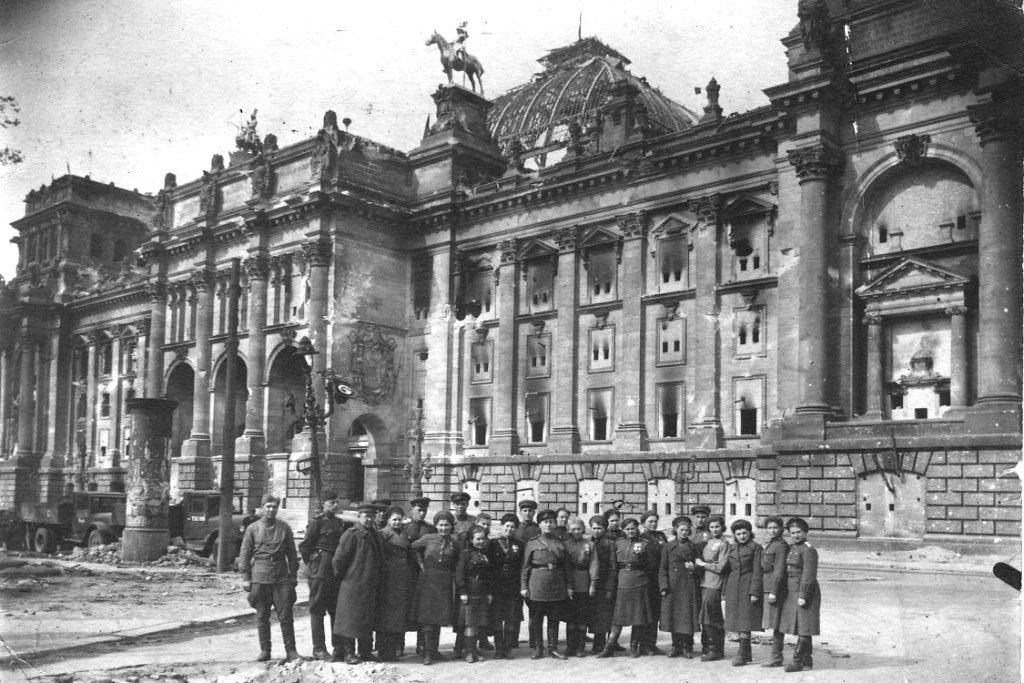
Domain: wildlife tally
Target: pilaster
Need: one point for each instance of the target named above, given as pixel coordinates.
(565, 434)
(631, 431)
(504, 436)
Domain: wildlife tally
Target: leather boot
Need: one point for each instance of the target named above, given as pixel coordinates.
(651, 641)
(802, 659)
(386, 647)
(570, 640)
(537, 638)
(483, 643)
(553, 640)
(460, 645)
(581, 641)
(348, 650)
(778, 642)
(288, 635)
(634, 644)
(744, 656)
(686, 644)
(472, 656)
(600, 641)
(428, 655)
(366, 649)
(705, 640)
(677, 646)
(808, 659)
(263, 633)
(316, 627)
(714, 652)
(435, 644)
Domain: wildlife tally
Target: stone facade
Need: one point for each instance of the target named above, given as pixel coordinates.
(597, 298)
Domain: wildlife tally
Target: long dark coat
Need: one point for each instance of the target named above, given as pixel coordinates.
(359, 567)
(506, 556)
(634, 568)
(743, 581)
(601, 605)
(773, 580)
(680, 609)
(435, 602)
(471, 579)
(801, 582)
(401, 572)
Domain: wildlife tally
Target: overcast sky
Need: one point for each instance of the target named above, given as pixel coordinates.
(128, 90)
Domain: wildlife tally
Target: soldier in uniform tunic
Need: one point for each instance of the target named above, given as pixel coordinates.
(743, 586)
(586, 572)
(614, 518)
(649, 531)
(602, 602)
(773, 580)
(472, 584)
(435, 592)
(527, 529)
(701, 536)
(545, 581)
(679, 584)
(634, 565)
(359, 567)
(463, 523)
(270, 568)
(801, 612)
(714, 560)
(506, 556)
(317, 550)
(414, 529)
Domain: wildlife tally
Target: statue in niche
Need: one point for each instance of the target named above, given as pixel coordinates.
(217, 163)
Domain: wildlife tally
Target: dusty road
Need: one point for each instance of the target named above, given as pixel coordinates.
(877, 626)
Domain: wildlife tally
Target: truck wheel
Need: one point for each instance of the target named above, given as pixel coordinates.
(97, 537)
(29, 539)
(45, 541)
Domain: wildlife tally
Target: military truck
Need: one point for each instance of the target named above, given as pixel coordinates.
(196, 521)
(82, 518)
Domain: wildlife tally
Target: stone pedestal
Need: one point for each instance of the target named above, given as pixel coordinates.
(146, 532)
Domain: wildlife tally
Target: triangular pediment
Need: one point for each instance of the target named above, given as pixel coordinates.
(912, 275)
(598, 237)
(537, 249)
(672, 225)
(745, 205)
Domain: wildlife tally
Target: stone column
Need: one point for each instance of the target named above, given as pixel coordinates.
(318, 258)
(157, 292)
(114, 447)
(5, 397)
(253, 440)
(958, 369)
(565, 434)
(504, 436)
(442, 433)
(146, 533)
(26, 397)
(704, 431)
(631, 431)
(875, 368)
(198, 443)
(814, 167)
(90, 398)
(998, 124)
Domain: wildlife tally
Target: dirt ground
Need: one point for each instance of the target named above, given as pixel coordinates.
(924, 614)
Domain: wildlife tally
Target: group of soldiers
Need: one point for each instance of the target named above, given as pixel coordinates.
(390, 572)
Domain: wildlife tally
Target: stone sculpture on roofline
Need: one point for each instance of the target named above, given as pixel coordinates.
(455, 58)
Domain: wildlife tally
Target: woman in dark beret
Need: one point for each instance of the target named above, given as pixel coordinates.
(801, 612)
(743, 588)
(435, 603)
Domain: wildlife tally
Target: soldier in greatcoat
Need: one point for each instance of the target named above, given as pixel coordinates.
(713, 561)
(317, 551)
(401, 572)
(359, 567)
(602, 601)
(801, 612)
(773, 580)
(270, 568)
(679, 581)
(506, 556)
(437, 555)
(649, 531)
(743, 588)
(545, 582)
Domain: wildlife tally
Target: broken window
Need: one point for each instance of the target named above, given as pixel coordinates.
(601, 275)
(537, 417)
(599, 404)
(672, 261)
(670, 410)
(479, 419)
(540, 275)
(481, 361)
(537, 348)
(602, 349)
(670, 341)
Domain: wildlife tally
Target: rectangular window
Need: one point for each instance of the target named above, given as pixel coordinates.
(670, 410)
(541, 277)
(672, 254)
(105, 404)
(601, 275)
(749, 331)
(748, 399)
(538, 347)
(671, 346)
(481, 361)
(476, 298)
(537, 417)
(599, 404)
(128, 349)
(479, 421)
(602, 349)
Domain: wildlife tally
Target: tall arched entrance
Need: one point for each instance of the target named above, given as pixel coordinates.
(217, 435)
(179, 388)
(286, 394)
(360, 443)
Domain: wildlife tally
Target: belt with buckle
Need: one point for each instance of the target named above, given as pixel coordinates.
(629, 567)
(545, 566)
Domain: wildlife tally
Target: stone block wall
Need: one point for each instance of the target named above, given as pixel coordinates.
(966, 494)
(820, 487)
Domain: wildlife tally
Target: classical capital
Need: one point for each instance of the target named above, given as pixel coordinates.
(816, 162)
(633, 225)
(156, 291)
(257, 267)
(872, 319)
(997, 119)
(202, 280)
(567, 238)
(706, 208)
(910, 148)
(956, 310)
(317, 254)
(141, 327)
(509, 250)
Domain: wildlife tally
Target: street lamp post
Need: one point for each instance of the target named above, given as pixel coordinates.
(313, 416)
(417, 468)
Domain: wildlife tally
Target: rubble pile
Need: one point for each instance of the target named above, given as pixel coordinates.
(310, 671)
(180, 557)
(104, 554)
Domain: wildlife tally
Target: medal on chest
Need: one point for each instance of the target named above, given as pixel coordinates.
(638, 548)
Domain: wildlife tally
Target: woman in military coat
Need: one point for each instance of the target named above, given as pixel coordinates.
(506, 556)
(545, 582)
(801, 611)
(658, 540)
(602, 601)
(401, 572)
(713, 560)
(679, 585)
(435, 604)
(585, 574)
(634, 566)
(773, 581)
(472, 585)
(359, 567)
(743, 586)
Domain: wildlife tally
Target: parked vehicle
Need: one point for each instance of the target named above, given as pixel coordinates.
(83, 518)
(196, 520)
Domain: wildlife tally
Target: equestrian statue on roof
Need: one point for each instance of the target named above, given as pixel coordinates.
(455, 58)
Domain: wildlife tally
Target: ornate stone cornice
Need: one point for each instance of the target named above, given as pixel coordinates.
(317, 254)
(997, 119)
(202, 280)
(633, 225)
(567, 239)
(956, 310)
(156, 291)
(257, 267)
(509, 250)
(911, 148)
(706, 208)
(817, 162)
